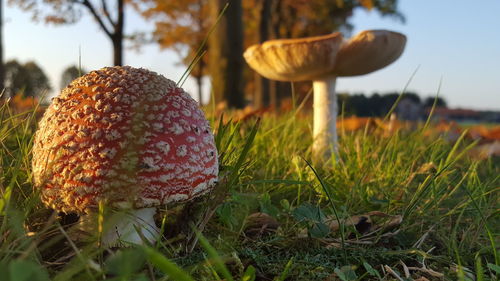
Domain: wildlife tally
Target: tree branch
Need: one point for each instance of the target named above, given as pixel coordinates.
(96, 16)
(107, 14)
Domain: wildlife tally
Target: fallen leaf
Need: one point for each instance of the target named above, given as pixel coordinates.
(426, 168)
(393, 273)
(492, 134)
(486, 150)
(259, 224)
(364, 224)
(428, 271)
(449, 130)
(354, 123)
(421, 279)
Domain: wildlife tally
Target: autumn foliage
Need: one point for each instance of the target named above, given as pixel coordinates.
(20, 104)
(184, 25)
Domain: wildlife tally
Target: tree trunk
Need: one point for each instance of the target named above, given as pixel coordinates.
(262, 89)
(117, 51)
(113, 29)
(277, 21)
(226, 48)
(216, 60)
(2, 71)
(117, 37)
(199, 81)
(201, 62)
(234, 38)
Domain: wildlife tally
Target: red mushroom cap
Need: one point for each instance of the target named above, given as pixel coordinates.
(126, 136)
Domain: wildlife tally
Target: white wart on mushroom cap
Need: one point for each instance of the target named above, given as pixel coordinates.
(126, 136)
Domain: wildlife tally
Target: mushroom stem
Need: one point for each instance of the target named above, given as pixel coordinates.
(325, 118)
(127, 227)
(123, 228)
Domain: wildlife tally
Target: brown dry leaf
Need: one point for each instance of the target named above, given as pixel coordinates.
(20, 104)
(477, 132)
(428, 271)
(390, 126)
(241, 115)
(393, 273)
(333, 245)
(249, 112)
(405, 269)
(354, 123)
(332, 277)
(450, 130)
(259, 224)
(484, 134)
(367, 4)
(364, 223)
(421, 279)
(426, 168)
(361, 221)
(492, 134)
(486, 150)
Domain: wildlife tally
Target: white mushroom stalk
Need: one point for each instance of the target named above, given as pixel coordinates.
(322, 59)
(133, 227)
(123, 228)
(325, 115)
(304, 59)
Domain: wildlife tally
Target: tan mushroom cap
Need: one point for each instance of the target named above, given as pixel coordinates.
(295, 59)
(368, 51)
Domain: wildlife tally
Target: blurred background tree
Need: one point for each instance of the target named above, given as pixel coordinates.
(111, 19)
(225, 53)
(183, 25)
(429, 101)
(70, 74)
(378, 105)
(2, 70)
(27, 79)
(14, 77)
(276, 19)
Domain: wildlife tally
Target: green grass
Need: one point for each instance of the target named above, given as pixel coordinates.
(448, 203)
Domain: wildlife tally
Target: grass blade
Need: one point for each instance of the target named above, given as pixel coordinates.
(165, 265)
(200, 50)
(246, 148)
(214, 256)
(330, 200)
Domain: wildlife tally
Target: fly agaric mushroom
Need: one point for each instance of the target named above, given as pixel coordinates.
(128, 138)
(322, 59)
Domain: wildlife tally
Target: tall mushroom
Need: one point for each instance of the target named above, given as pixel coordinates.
(322, 59)
(128, 138)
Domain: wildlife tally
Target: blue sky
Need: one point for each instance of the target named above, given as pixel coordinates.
(453, 41)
